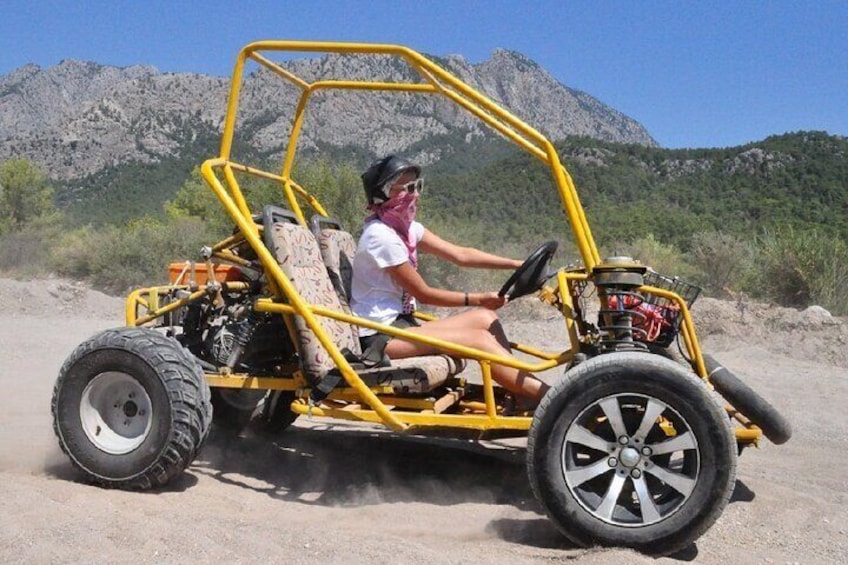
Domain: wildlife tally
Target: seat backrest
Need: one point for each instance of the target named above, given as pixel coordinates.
(297, 252)
(337, 249)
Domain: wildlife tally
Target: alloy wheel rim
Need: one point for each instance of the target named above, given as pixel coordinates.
(630, 460)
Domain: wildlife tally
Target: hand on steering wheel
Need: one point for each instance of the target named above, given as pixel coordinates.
(492, 300)
(532, 274)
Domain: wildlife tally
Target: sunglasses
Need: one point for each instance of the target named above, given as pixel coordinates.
(416, 185)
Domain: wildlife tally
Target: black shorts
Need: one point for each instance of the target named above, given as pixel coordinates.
(403, 321)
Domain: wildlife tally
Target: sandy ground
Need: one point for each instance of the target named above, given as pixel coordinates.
(361, 495)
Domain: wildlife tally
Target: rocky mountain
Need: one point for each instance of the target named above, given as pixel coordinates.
(78, 118)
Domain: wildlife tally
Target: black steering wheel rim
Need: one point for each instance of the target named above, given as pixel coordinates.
(532, 274)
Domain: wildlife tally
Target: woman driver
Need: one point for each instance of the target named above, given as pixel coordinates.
(386, 283)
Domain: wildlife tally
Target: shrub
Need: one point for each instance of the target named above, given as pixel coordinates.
(26, 253)
(803, 267)
(664, 258)
(116, 259)
(725, 263)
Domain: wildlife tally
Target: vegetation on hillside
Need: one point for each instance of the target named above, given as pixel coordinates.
(769, 219)
(629, 191)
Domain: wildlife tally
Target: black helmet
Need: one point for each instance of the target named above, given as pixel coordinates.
(380, 172)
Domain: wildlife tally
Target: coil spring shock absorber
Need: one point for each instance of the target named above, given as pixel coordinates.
(617, 279)
(242, 336)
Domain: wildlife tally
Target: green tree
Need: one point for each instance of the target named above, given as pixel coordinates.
(664, 258)
(25, 194)
(195, 199)
(116, 258)
(337, 188)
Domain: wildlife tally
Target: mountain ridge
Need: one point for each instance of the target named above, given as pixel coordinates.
(77, 118)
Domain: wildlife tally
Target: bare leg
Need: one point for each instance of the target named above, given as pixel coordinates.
(480, 329)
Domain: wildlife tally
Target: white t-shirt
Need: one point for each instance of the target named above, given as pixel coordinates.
(374, 295)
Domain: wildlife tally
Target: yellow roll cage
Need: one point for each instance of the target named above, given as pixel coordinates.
(220, 174)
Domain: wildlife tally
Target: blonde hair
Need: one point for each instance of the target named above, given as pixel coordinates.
(387, 186)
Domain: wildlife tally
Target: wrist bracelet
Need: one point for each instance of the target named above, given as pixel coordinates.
(466, 299)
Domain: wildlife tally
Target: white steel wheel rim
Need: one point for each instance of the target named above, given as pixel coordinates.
(115, 412)
(630, 460)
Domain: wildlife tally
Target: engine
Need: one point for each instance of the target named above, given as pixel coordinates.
(231, 334)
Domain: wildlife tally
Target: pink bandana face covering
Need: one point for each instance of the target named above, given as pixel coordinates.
(398, 213)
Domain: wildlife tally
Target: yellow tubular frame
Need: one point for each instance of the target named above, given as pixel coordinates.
(434, 80)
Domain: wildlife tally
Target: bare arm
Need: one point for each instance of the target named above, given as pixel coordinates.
(408, 279)
(463, 256)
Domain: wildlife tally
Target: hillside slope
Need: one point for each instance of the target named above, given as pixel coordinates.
(78, 118)
(798, 179)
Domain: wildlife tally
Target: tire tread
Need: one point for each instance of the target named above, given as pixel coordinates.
(189, 395)
(573, 383)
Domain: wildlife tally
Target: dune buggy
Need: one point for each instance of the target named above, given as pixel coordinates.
(628, 448)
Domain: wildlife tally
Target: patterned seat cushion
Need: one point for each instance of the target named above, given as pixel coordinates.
(297, 252)
(414, 375)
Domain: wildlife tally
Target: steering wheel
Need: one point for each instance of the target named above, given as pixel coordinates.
(532, 274)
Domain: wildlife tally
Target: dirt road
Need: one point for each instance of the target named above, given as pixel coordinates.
(362, 495)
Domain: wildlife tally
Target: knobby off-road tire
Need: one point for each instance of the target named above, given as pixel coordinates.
(744, 399)
(131, 408)
(631, 450)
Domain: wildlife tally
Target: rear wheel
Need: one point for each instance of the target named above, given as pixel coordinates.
(265, 411)
(631, 450)
(276, 412)
(235, 407)
(131, 408)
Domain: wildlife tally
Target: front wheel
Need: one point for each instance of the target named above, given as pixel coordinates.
(630, 450)
(131, 408)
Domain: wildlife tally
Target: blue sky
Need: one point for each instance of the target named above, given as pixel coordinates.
(695, 74)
